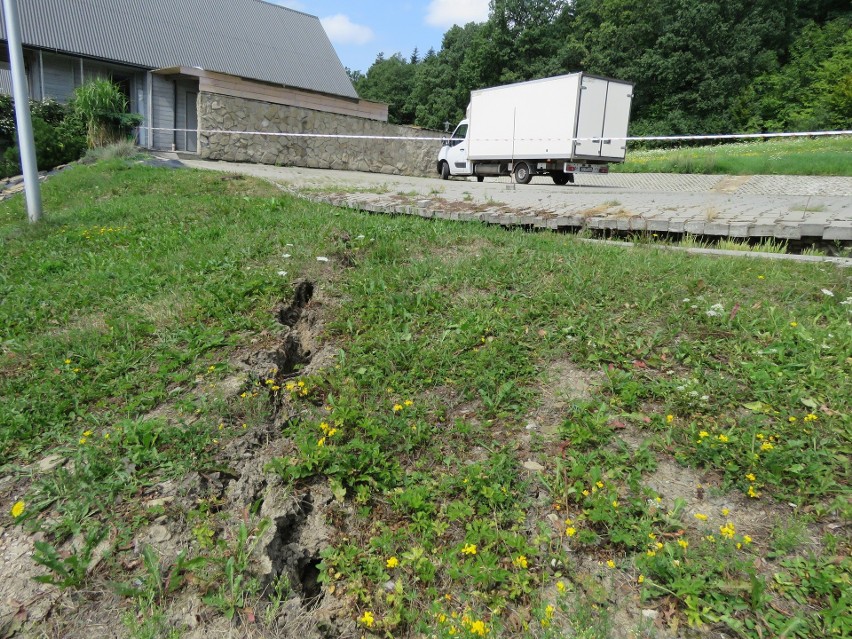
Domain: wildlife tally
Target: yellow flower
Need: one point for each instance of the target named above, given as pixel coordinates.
(599, 484)
(651, 536)
(669, 419)
(610, 563)
(332, 432)
(442, 618)
(469, 549)
(746, 539)
(585, 493)
(760, 436)
(106, 435)
(703, 434)
(753, 493)
(560, 586)
(548, 612)
(397, 408)
(67, 361)
(393, 562)
(570, 531)
(725, 512)
(408, 402)
(651, 553)
(367, 619)
(701, 516)
(794, 324)
(727, 530)
(810, 417)
(321, 442)
(478, 628)
(87, 433)
(641, 578)
(82, 440)
(791, 419)
(683, 543)
(521, 562)
(18, 509)
(658, 546)
(723, 438)
(614, 503)
(761, 277)
(765, 446)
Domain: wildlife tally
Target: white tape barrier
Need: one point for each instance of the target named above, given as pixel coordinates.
(647, 138)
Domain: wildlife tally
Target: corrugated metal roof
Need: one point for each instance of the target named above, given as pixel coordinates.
(249, 38)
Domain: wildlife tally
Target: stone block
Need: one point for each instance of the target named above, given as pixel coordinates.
(717, 228)
(838, 231)
(810, 229)
(788, 231)
(739, 229)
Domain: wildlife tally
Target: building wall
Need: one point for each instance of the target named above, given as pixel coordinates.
(229, 113)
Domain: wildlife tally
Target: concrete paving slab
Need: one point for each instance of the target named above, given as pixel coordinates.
(784, 207)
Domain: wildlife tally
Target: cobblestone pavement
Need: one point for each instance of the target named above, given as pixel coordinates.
(783, 207)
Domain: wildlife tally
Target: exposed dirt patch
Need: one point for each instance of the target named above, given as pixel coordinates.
(22, 600)
(239, 489)
(562, 383)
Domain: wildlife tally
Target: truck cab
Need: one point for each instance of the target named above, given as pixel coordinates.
(453, 158)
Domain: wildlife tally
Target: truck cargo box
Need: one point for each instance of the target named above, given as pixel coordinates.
(575, 117)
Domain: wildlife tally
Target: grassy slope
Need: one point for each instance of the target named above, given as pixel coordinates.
(144, 280)
(797, 156)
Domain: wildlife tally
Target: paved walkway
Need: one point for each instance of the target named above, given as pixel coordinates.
(782, 207)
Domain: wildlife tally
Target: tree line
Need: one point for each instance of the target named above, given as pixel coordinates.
(700, 66)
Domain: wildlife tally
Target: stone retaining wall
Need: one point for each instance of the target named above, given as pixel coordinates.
(398, 157)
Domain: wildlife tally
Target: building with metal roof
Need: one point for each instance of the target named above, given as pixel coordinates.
(161, 51)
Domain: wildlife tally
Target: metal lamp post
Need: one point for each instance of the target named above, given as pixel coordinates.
(26, 142)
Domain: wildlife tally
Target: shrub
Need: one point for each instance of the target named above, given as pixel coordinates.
(59, 134)
(104, 108)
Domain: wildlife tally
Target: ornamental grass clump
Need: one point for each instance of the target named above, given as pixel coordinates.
(105, 109)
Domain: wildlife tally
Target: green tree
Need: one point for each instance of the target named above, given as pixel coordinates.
(389, 80)
(811, 90)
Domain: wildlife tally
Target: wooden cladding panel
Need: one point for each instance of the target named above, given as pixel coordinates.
(238, 88)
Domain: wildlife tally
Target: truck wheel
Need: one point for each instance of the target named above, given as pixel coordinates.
(522, 173)
(560, 177)
(445, 171)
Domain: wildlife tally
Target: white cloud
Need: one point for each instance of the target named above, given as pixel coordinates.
(446, 13)
(341, 30)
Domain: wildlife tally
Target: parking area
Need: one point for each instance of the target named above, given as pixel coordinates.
(782, 207)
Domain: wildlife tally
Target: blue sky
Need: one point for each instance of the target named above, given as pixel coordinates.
(361, 29)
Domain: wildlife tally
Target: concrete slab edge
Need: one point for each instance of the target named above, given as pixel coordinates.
(507, 221)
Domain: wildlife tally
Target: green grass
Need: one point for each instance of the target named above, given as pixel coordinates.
(794, 156)
(143, 283)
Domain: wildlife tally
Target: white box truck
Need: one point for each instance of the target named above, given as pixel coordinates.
(557, 126)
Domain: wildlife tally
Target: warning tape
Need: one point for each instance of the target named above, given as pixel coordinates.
(646, 138)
